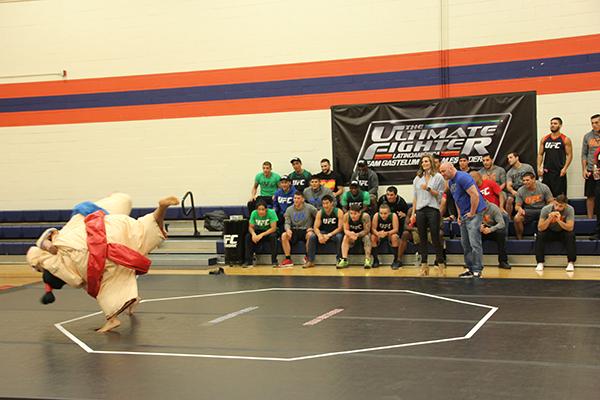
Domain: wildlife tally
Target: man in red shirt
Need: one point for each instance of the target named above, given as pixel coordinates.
(490, 190)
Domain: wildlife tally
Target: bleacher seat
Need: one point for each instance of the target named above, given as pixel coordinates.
(579, 205)
(173, 213)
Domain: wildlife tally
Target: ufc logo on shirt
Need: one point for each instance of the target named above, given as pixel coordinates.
(285, 200)
(485, 191)
(230, 241)
(552, 145)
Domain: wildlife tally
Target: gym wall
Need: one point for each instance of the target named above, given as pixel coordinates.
(95, 132)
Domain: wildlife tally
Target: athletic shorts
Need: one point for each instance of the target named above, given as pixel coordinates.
(532, 215)
(298, 235)
(556, 183)
(590, 185)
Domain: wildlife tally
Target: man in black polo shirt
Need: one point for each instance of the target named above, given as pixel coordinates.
(330, 178)
(396, 203)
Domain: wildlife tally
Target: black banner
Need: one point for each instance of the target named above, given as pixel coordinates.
(391, 137)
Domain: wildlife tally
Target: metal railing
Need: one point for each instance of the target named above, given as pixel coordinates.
(191, 210)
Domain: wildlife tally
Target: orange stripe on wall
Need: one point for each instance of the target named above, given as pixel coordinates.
(543, 85)
(457, 57)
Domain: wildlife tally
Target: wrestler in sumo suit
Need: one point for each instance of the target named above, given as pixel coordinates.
(101, 249)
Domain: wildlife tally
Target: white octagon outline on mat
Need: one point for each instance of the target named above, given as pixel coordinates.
(469, 334)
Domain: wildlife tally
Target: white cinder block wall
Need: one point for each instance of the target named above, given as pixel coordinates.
(55, 166)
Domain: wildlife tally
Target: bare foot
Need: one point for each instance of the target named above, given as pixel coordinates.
(441, 269)
(168, 201)
(159, 213)
(109, 325)
(132, 307)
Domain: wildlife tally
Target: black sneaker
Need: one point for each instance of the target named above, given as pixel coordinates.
(397, 264)
(375, 262)
(504, 265)
(477, 274)
(467, 275)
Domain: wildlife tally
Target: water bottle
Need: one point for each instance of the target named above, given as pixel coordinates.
(417, 259)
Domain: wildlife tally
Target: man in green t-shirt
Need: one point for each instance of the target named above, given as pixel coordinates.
(299, 176)
(355, 196)
(268, 182)
(262, 228)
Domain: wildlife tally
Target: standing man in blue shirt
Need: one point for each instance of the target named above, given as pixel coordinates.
(470, 205)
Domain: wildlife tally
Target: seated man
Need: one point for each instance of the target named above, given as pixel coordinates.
(283, 198)
(463, 164)
(299, 221)
(411, 234)
(101, 252)
(330, 178)
(357, 225)
(355, 196)
(368, 181)
(262, 227)
(493, 227)
(493, 172)
(268, 182)
(299, 176)
(329, 225)
(396, 203)
(315, 192)
(448, 210)
(385, 227)
(557, 223)
(531, 198)
(514, 179)
(489, 189)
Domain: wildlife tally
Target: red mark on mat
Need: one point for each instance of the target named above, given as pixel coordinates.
(323, 317)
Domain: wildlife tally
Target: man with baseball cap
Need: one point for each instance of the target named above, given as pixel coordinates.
(355, 196)
(283, 198)
(299, 176)
(367, 181)
(315, 192)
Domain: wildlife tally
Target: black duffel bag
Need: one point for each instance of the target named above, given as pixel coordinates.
(213, 221)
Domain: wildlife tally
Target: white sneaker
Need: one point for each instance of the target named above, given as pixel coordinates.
(540, 267)
(570, 267)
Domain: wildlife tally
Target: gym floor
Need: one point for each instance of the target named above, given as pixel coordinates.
(296, 336)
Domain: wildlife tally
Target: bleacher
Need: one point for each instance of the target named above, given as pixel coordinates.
(519, 251)
(20, 229)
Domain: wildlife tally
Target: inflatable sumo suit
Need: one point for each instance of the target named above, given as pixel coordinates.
(100, 249)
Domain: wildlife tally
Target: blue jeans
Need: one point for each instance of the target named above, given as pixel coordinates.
(470, 238)
(313, 243)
